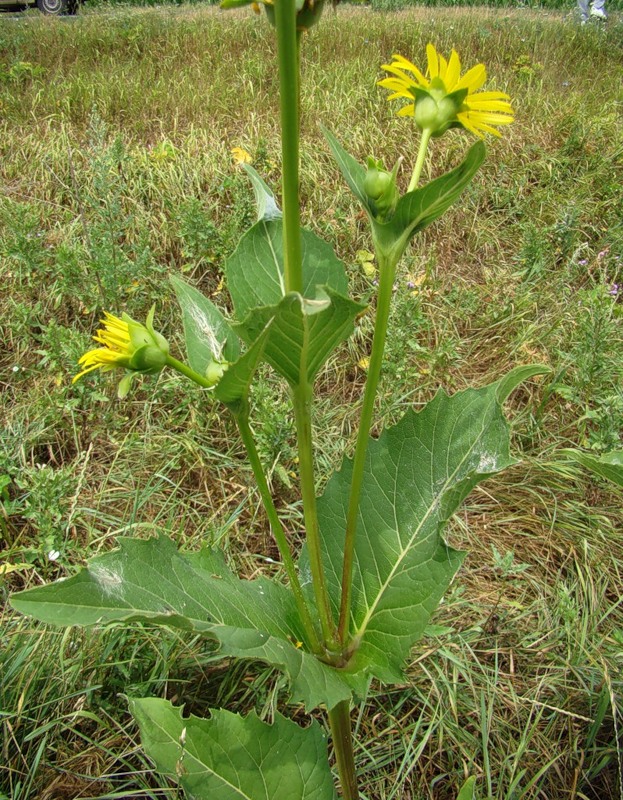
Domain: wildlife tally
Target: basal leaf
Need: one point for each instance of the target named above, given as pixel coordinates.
(229, 757)
(265, 202)
(208, 335)
(255, 271)
(302, 332)
(151, 581)
(417, 474)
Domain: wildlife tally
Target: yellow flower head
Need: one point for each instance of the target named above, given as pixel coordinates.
(127, 345)
(443, 99)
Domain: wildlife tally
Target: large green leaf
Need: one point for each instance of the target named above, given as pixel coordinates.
(415, 210)
(255, 271)
(609, 466)
(302, 332)
(228, 757)
(417, 474)
(151, 581)
(208, 335)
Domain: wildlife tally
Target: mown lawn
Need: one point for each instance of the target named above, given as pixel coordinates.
(116, 130)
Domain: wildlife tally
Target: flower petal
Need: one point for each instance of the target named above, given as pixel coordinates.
(453, 71)
(433, 61)
(405, 64)
(490, 117)
(473, 78)
(476, 103)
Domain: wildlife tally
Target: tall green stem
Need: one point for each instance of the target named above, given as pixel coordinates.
(339, 720)
(387, 272)
(242, 420)
(301, 397)
(287, 42)
(417, 169)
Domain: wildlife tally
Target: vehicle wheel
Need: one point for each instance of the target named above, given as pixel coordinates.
(57, 6)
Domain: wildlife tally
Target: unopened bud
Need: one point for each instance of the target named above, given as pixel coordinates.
(436, 111)
(380, 187)
(215, 371)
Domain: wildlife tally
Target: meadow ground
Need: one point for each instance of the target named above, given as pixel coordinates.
(115, 136)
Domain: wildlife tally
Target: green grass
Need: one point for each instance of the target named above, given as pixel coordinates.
(115, 138)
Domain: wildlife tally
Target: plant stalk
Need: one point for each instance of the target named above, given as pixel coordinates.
(288, 52)
(242, 421)
(417, 169)
(339, 721)
(387, 272)
(301, 398)
(184, 369)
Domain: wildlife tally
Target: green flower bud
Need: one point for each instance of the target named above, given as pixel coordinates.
(309, 14)
(215, 371)
(380, 187)
(435, 110)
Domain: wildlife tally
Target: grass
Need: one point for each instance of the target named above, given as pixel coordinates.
(115, 138)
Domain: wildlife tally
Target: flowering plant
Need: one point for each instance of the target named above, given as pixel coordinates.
(375, 565)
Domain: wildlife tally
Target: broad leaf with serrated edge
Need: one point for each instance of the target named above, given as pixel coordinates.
(208, 335)
(417, 474)
(229, 757)
(255, 271)
(152, 582)
(302, 332)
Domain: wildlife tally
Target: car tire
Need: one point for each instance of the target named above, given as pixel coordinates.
(57, 6)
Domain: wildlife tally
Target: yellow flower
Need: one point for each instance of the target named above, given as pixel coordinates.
(443, 99)
(127, 345)
(240, 156)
